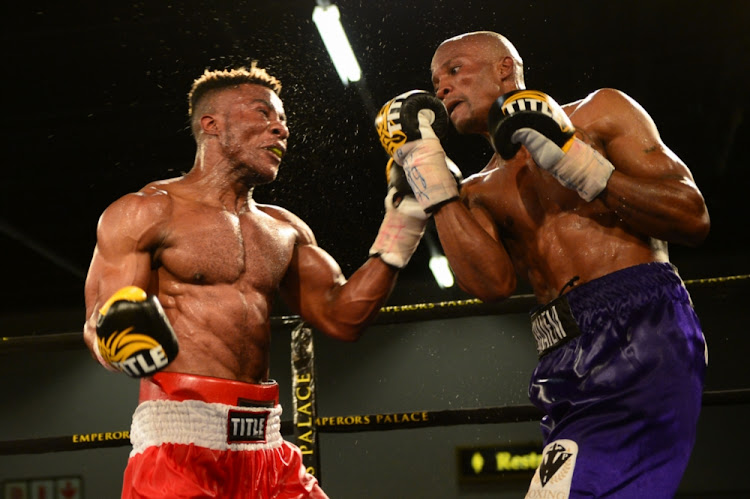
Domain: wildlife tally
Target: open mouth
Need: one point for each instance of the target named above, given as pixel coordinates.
(452, 106)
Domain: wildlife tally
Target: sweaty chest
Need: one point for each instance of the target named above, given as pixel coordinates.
(524, 201)
(219, 247)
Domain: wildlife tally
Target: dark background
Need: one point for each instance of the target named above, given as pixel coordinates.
(95, 107)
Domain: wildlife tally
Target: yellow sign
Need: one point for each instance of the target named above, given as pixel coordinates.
(101, 437)
(498, 462)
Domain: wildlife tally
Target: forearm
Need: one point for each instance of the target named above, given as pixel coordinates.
(481, 263)
(356, 303)
(670, 210)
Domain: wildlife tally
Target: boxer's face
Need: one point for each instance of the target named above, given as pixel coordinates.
(466, 81)
(254, 130)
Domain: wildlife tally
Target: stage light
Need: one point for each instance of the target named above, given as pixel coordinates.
(327, 19)
(439, 265)
(441, 270)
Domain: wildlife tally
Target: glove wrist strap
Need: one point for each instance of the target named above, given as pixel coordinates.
(428, 174)
(584, 170)
(398, 238)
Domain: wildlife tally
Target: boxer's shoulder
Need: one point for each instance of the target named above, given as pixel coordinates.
(146, 204)
(304, 234)
(140, 216)
(601, 108)
(597, 98)
(603, 115)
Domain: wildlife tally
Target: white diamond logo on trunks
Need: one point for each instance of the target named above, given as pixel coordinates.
(554, 476)
(246, 426)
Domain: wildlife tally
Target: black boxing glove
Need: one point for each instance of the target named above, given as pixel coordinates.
(409, 127)
(534, 119)
(405, 117)
(134, 334)
(526, 109)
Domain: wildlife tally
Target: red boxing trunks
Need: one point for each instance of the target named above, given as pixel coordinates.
(196, 436)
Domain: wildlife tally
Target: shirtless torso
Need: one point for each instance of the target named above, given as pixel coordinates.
(216, 259)
(215, 272)
(546, 233)
(550, 233)
(516, 218)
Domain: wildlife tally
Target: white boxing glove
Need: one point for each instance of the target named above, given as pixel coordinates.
(402, 228)
(409, 127)
(432, 176)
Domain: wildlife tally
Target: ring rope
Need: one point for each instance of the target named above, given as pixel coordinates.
(514, 304)
(389, 315)
(357, 423)
(348, 424)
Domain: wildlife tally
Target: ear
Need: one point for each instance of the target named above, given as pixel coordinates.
(209, 124)
(504, 67)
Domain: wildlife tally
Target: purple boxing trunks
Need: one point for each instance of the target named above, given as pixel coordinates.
(620, 380)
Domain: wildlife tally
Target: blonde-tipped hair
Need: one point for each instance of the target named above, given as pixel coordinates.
(217, 79)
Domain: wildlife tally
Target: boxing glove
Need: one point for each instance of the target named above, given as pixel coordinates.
(134, 334)
(396, 177)
(404, 221)
(534, 119)
(526, 109)
(405, 117)
(409, 127)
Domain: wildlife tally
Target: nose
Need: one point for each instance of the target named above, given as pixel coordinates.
(279, 128)
(442, 90)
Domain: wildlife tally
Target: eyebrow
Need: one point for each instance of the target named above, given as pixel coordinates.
(268, 104)
(262, 101)
(450, 61)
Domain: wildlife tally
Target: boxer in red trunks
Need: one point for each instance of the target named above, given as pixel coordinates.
(191, 438)
(180, 289)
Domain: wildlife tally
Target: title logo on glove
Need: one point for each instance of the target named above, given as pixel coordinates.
(532, 100)
(135, 354)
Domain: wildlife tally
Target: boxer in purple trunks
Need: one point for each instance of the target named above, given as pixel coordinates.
(581, 200)
(621, 386)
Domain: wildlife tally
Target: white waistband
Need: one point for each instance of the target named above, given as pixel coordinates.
(194, 422)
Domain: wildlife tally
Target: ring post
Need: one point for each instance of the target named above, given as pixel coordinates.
(303, 398)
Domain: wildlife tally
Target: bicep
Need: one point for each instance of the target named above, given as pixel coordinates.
(122, 256)
(114, 265)
(484, 220)
(651, 189)
(113, 268)
(311, 279)
(312, 274)
(632, 141)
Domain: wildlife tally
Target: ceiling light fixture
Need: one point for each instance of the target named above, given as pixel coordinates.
(327, 19)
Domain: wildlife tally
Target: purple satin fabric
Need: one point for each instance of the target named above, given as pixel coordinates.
(628, 390)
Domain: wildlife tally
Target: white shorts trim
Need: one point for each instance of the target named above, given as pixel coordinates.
(156, 422)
